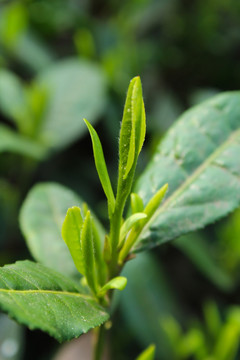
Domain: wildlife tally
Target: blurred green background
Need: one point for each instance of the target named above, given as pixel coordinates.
(63, 60)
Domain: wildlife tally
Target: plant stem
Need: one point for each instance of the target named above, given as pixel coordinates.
(99, 343)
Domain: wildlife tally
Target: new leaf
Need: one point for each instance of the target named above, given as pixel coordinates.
(101, 166)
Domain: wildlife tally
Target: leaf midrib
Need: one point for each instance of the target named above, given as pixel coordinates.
(191, 178)
(48, 292)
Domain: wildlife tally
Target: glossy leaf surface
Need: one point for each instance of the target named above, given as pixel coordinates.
(41, 298)
(199, 158)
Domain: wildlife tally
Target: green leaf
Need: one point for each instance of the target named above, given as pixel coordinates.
(147, 354)
(10, 141)
(149, 210)
(12, 95)
(155, 201)
(132, 132)
(13, 22)
(41, 219)
(141, 132)
(71, 231)
(101, 167)
(136, 203)
(100, 264)
(118, 283)
(75, 90)
(129, 223)
(212, 319)
(32, 52)
(199, 158)
(44, 299)
(88, 252)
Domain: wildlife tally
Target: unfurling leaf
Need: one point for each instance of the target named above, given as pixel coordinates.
(149, 211)
(128, 224)
(107, 251)
(133, 128)
(155, 201)
(88, 252)
(101, 270)
(101, 166)
(136, 203)
(71, 231)
(118, 283)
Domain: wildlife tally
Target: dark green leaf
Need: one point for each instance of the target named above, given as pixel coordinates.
(199, 158)
(44, 299)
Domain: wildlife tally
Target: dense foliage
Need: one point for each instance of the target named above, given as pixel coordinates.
(63, 61)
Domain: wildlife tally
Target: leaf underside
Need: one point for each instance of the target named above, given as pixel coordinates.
(199, 158)
(41, 298)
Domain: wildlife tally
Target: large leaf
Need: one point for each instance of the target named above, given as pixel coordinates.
(41, 220)
(76, 90)
(199, 159)
(11, 141)
(44, 299)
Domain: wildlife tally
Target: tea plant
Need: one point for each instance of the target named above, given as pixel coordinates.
(199, 160)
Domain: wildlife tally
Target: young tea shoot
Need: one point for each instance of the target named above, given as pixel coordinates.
(204, 187)
(79, 232)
